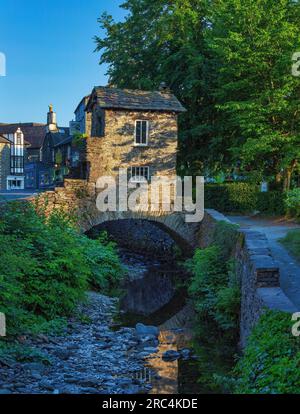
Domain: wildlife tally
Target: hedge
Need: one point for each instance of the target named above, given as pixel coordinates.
(243, 198)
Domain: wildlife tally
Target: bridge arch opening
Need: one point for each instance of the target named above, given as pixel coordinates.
(145, 236)
(151, 252)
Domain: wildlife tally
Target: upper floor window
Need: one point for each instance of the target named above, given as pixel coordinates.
(17, 164)
(141, 132)
(19, 138)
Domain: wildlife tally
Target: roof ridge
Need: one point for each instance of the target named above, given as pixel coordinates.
(136, 99)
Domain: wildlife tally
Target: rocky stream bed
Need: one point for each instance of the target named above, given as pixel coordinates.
(97, 358)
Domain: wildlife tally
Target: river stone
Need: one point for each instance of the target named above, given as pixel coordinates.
(46, 385)
(185, 353)
(34, 366)
(171, 355)
(132, 389)
(151, 350)
(3, 392)
(63, 354)
(142, 329)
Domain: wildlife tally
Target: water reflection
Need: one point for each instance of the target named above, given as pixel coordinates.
(166, 380)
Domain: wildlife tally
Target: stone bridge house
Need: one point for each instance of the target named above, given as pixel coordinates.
(129, 129)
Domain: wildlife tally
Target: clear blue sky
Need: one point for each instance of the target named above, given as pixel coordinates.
(49, 50)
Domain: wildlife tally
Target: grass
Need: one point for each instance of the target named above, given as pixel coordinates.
(292, 242)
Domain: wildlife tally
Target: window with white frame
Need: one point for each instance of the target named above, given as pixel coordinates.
(139, 174)
(17, 153)
(19, 138)
(141, 132)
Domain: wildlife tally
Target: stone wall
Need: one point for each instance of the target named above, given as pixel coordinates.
(257, 272)
(74, 197)
(105, 155)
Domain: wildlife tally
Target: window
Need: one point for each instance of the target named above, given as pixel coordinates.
(101, 125)
(17, 164)
(19, 138)
(15, 183)
(139, 174)
(141, 132)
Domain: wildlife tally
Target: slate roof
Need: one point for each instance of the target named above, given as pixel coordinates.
(34, 133)
(4, 140)
(109, 98)
(61, 138)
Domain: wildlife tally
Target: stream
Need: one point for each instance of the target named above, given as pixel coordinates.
(151, 298)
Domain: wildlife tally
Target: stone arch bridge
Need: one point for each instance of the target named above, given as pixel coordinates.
(79, 197)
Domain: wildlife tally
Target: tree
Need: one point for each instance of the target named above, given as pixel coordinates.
(256, 93)
(163, 41)
(229, 62)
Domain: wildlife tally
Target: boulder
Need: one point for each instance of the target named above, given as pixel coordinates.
(171, 355)
(142, 329)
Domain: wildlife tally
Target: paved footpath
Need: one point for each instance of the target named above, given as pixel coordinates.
(15, 195)
(275, 229)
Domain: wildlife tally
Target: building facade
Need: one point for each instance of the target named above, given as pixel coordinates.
(56, 149)
(25, 145)
(5, 152)
(134, 130)
(13, 156)
(81, 116)
(34, 151)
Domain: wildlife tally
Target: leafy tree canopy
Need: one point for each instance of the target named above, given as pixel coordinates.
(229, 62)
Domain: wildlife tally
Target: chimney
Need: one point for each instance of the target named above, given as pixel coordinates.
(51, 120)
(164, 88)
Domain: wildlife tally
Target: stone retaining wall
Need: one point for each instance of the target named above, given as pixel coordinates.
(257, 272)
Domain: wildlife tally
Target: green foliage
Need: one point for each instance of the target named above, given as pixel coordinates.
(292, 242)
(270, 364)
(215, 293)
(225, 237)
(256, 95)
(104, 264)
(292, 202)
(46, 267)
(235, 197)
(58, 158)
(214, 287)
(79, 140)
(13, 351)
(271, 203)
(229, 62)
(244, 198)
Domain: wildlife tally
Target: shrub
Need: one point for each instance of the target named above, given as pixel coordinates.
(272, 202)
(104, 263)
(270, 364)
(292, 203)
(246, 198)
(214, 287)
(235, 197)
(46, 266)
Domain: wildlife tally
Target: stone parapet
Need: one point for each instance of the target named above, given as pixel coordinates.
(257, 272)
